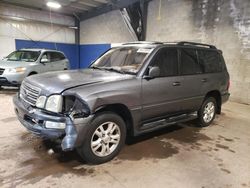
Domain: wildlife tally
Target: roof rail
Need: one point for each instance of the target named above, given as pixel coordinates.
(142, 42)
(183, 43)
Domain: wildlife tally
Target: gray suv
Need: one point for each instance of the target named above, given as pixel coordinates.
(25, 62)
(129, 90)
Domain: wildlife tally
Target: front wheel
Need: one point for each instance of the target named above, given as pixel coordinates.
(207, 112)
(104, 139)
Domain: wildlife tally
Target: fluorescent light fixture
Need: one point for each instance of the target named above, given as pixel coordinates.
(73, 27)
(17, 18)
(53, 4)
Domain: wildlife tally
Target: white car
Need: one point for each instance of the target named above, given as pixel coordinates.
(25, 62)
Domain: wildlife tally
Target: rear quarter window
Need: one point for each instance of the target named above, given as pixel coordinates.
(210, 61)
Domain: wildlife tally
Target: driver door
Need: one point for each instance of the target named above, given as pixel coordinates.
(160, 95)
(46, 66)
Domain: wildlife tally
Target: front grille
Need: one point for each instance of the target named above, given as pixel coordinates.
(1, 71)
(29, 93)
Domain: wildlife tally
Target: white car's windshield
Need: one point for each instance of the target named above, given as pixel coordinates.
(124, 60)
(28, 56)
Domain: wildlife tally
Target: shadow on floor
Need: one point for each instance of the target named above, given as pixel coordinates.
(9, 90)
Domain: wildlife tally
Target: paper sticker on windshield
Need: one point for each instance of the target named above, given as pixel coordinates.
(144, 50)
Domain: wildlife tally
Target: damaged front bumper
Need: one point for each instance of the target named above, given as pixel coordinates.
(34, 120)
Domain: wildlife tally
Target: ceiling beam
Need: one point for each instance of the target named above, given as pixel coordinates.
(101, 1)
(79, 5)
(89, 3)
(115, 5)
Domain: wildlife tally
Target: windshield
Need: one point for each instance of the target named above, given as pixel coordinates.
(28, 56)
(124, 60)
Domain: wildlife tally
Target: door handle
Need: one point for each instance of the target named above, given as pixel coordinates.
(204, 80)
(176, 84)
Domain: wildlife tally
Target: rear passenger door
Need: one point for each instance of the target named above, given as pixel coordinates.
(192, 79)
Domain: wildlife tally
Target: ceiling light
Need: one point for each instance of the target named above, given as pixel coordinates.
(73, 27)
(53, 4)
(16, 18)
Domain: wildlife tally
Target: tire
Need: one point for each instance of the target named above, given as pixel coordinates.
(205, 117)
(94, 148)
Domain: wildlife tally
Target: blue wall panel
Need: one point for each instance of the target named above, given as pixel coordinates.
(89, 52)
(80, 56)
(70, 50)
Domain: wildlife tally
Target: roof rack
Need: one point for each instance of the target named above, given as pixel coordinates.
(142, 42)
(183, 43)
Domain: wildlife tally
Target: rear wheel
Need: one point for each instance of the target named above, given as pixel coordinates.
(104, 139)
(207, 112)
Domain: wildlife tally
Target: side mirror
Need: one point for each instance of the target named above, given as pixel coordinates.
(153, 72)
(44, 60)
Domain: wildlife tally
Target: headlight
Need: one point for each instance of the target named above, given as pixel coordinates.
(54, 103)
(16, 70)
(40, 103)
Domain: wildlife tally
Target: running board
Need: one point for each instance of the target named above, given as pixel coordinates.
(170, 121)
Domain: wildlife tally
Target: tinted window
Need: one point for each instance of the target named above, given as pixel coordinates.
(210, 61)
(55, 56)
(189, 62)
(167, 60)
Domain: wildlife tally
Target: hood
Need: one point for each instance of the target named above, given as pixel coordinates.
(57, 82)
(13, 64)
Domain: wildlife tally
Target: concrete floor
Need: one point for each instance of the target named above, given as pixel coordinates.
(179, 156)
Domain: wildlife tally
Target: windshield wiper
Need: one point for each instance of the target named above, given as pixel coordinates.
(95, 67)
(112, 69)
(115, 70)
(12, 60)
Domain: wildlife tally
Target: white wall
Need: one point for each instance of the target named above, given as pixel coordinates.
(226, 25)
(106, 28)
(32, 25)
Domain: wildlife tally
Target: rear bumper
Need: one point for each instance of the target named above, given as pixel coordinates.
(34, 120)
(225, 97)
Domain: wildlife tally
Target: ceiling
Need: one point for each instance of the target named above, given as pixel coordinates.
(69, 7)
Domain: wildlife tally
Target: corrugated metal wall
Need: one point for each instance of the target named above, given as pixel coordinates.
(23, 23)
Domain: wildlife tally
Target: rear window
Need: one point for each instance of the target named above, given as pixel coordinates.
(189, 62)
(210, 61)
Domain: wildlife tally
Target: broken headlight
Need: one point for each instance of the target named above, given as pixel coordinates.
(75, 107)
